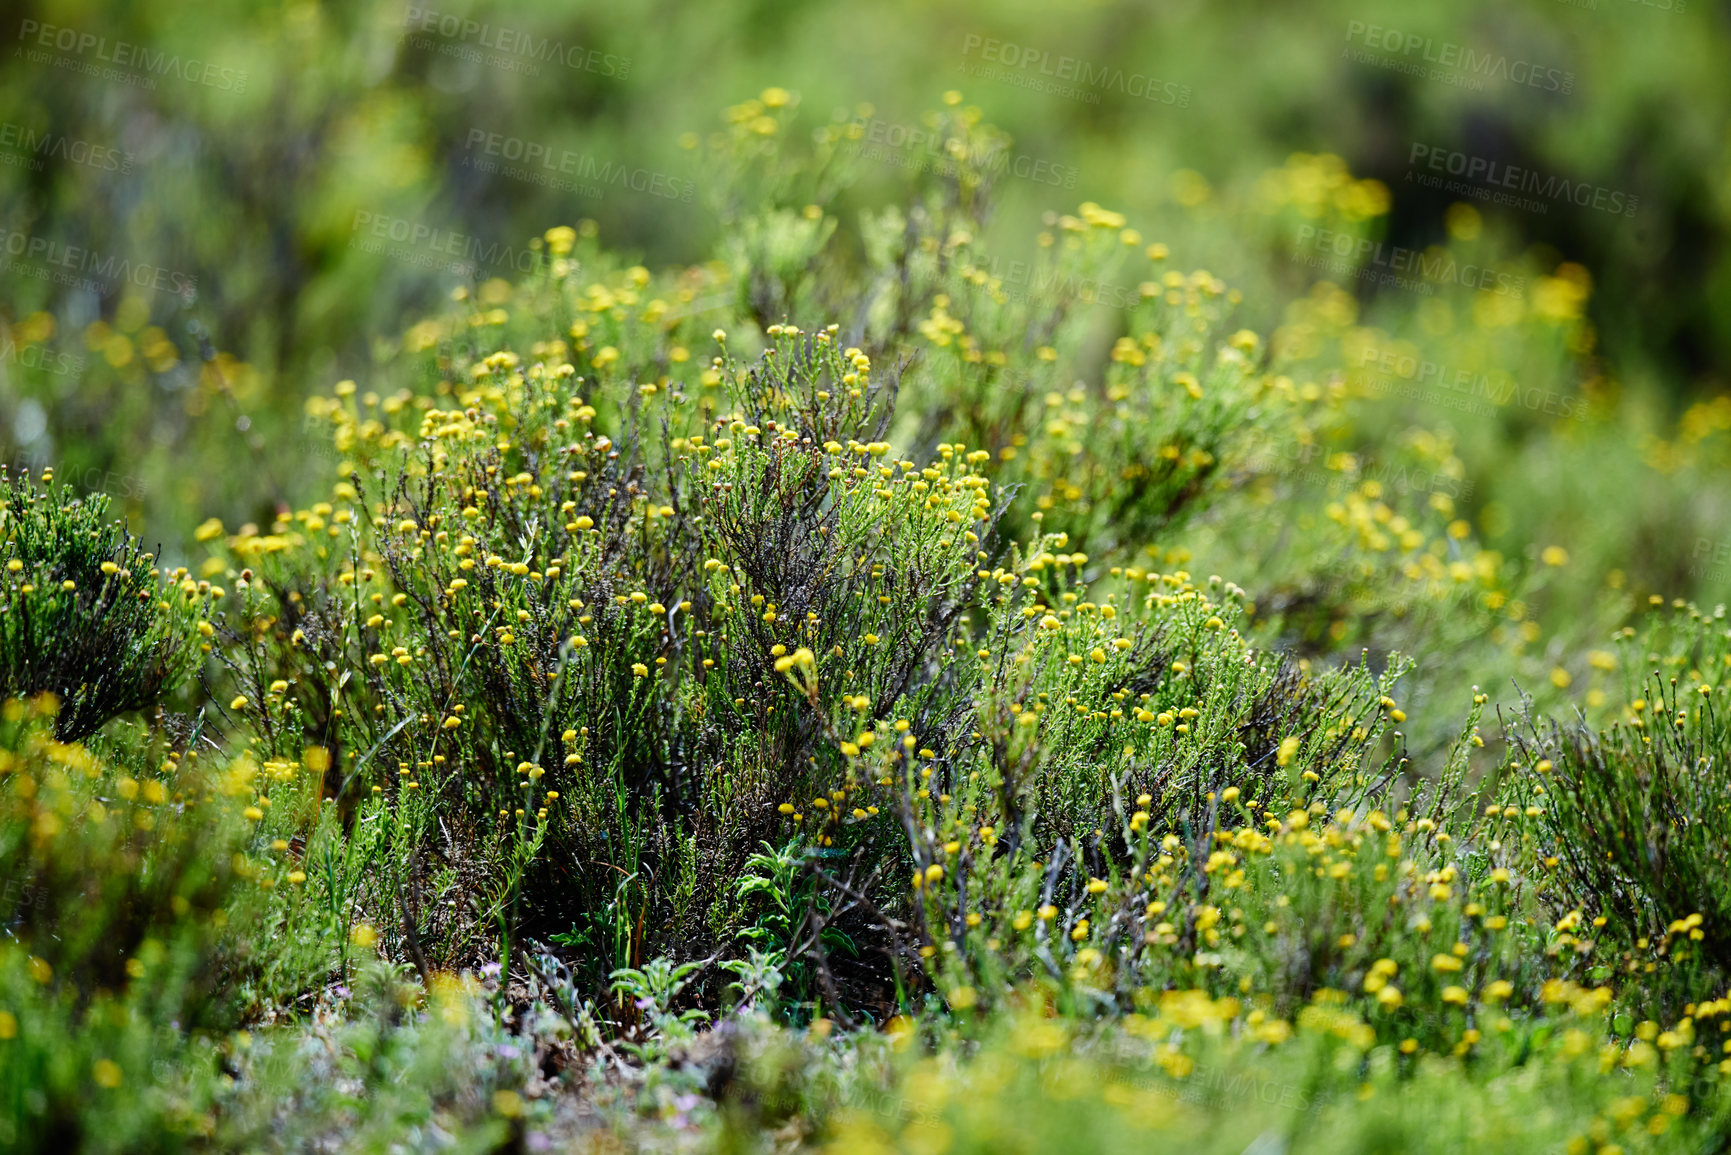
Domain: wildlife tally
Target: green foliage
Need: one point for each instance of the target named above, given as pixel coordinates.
(830, 617)
(1029, 1080)
(401, 1060)
(82, 614)
(1634, 814)
(117, 898)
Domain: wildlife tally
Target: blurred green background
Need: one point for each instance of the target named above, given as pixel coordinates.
(212, 211)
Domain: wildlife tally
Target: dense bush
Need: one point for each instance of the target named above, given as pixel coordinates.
(683, 711)
(1633, 815)
(120, 861)
(84, 617)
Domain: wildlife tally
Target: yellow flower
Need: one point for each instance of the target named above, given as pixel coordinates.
(639, 669)
(560, 239)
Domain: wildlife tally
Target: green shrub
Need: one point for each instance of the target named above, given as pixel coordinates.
(115, 905)
(591, 620)
(82, 614)
(1633, 817)
(653, 661)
